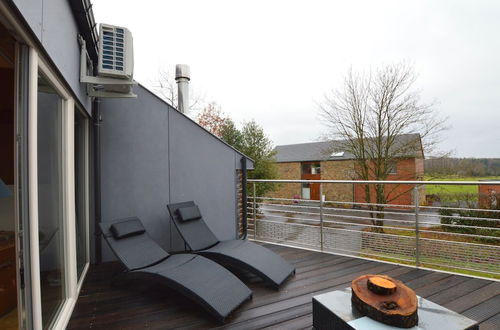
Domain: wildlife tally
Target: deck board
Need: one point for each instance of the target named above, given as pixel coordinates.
(137, 305)
(493, 323)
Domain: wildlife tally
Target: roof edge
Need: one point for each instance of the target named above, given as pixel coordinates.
(85, 20)
(336, 140)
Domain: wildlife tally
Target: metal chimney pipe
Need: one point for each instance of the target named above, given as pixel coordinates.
(182, 77)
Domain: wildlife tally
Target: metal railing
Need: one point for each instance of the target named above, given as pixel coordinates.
(450, 237)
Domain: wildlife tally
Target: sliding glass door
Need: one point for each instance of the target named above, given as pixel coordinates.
(59, 191)
(51, 211)
(81, 143)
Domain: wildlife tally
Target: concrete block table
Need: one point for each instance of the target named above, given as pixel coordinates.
(333, 310)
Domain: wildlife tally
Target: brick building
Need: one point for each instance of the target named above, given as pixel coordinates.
(489, 195)
(327, 161)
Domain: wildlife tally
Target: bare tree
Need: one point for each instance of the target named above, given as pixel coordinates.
(370, 114)
(166, 87)
(213, 119)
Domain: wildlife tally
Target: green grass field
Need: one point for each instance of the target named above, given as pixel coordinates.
(433, 263)
(454, 189)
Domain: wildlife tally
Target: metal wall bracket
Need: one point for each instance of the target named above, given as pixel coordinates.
(104, 87)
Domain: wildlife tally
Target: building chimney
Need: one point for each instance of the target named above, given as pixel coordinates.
(182, 77)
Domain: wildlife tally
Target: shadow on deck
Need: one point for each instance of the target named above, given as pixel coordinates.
(138, 305)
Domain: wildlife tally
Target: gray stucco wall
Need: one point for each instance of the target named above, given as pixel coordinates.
(153, 155)
(54, 25)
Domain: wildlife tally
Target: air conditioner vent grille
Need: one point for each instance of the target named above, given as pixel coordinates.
(113, 49)
(115, 44)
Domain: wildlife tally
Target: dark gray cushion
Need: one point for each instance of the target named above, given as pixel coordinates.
(135, 251)
(189, 213)
(196, 234)
(127, 228)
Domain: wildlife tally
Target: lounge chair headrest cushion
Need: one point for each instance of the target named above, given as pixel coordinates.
(189, 213)
(127, 228)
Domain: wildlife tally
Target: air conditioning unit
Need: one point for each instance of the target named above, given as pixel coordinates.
(115, 65)
(116, 52)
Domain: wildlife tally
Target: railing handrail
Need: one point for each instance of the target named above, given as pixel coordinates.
(410, 207)
(463, 243)
(464, 183)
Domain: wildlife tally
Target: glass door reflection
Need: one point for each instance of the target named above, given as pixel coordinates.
(50, 200)
(81, 190)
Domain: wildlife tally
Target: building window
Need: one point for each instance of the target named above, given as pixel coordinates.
(392, 167)
(311, 168)
(306, 191)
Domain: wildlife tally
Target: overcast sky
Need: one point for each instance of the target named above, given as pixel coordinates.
(272, 61)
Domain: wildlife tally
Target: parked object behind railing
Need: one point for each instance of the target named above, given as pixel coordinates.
(448, 238)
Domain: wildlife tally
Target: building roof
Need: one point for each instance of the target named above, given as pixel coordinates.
(312, 151)
(331, 150)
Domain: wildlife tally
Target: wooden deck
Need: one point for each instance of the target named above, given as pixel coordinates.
(144, 306)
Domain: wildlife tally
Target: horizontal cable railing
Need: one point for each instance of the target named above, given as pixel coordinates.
(459, 236)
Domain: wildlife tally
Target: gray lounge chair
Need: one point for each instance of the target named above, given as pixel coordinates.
(241, 254)
(203, 281)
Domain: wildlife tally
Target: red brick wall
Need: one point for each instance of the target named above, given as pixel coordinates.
(402, 194)
(486, 195)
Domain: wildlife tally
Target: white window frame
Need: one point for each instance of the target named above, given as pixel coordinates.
(87, 197)
(72, 284)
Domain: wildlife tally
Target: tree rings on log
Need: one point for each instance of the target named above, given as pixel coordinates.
(381, 285)
(386, 300)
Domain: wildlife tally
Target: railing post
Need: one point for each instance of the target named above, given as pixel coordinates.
(254, 212)
(321, 215)
(417, 232)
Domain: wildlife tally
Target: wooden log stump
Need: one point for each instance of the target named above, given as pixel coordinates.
(386, 300)
(381, 285)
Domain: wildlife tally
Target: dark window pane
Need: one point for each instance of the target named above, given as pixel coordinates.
(306, 168)
(392, 167)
